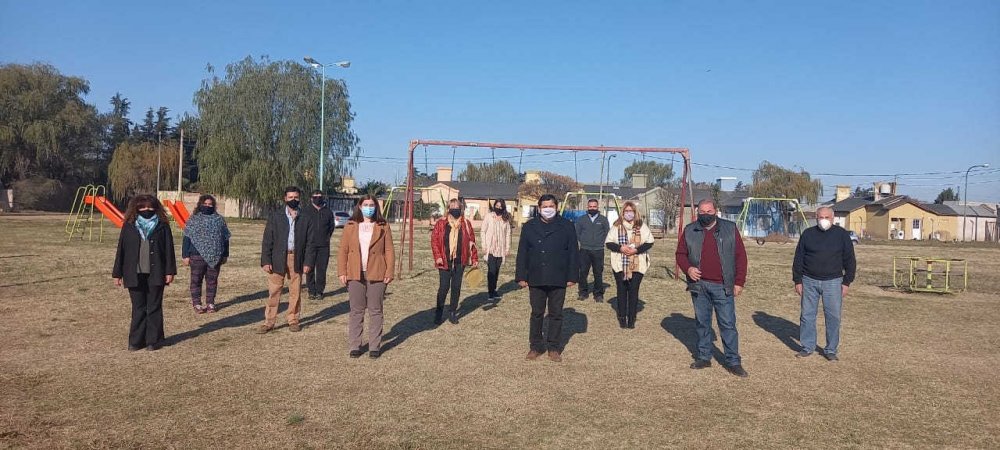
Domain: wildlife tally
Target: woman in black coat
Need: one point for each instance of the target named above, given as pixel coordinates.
(144, 263)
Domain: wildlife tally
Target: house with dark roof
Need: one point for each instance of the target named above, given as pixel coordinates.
(976, 221)
(477, 195)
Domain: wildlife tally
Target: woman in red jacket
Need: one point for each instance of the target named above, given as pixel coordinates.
(454, 246)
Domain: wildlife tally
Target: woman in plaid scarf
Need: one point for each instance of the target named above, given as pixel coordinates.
(629, 241)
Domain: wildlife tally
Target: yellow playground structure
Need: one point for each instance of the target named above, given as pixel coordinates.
(936, 275)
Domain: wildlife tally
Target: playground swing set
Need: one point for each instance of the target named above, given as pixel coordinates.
(82, 218)
(767, 219)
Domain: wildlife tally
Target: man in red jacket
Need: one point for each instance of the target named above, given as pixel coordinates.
(711, 254)
(453, 244)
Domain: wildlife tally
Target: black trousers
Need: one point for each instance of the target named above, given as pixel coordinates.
(449, 280)
(628, 294)
(493, 274)
(544, 298)
(316, 280)
(147, 314)
(592, 259)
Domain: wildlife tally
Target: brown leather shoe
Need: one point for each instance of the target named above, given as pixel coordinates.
(263, 329)
(533, 355)
(294, 327)
(555, 356)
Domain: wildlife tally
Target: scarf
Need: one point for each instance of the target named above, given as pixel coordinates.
(208, 233)
(629, 262)
(456, 228)
(146, 226)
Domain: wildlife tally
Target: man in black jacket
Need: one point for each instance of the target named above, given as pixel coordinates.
(324, 223)
(824, 267)
(591, 231)
(547, 264)
(285, 254)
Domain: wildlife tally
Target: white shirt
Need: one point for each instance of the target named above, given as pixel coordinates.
(291, 228)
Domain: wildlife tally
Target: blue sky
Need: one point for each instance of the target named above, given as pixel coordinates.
(851, 88)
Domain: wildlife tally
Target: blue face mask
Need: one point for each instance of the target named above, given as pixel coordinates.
(368, 211)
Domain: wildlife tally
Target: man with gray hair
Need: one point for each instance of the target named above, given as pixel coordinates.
(710, 252)
(824, 266)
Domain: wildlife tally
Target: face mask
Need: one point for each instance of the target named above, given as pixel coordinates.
(629, 216)
(499, 211)
(456, 213)
(206, 209)
(318, 201)
(548, 213)
(706, 219)
(825, 224)
(294, 204)
(592, 212)
(368, 211)
(147, 213)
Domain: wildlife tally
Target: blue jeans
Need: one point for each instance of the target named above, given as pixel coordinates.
(832, 295)
(708, 296)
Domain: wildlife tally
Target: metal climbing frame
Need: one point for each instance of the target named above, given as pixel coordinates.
(917, 274)
(769, 219)
(81, 213)
(686, 188)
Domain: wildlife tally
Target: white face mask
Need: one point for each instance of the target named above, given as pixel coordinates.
(825, 224)
(548, 213)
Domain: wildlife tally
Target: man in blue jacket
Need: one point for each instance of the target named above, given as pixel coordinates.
(547, 264)
(824, 266)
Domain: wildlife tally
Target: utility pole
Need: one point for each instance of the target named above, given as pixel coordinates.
(159, 153)
(180, 166)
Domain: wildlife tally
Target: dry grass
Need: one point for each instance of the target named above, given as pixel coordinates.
(916, 370)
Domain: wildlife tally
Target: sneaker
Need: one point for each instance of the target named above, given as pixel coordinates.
(210, 308)
(263, 329)
(198, 309)
(738, 371)
(803, 354)
(832, 357)
(701, 364)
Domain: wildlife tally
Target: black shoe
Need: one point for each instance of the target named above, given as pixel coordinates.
(133, 348)
(738, 371)
(630, 322)
(356, 353)
(701, 364)
(622, 323)
(832, 357)
(153, 348)
(438, 320)
(803, 354)
(582, 297)
(374, 354)
(453, 318)
(599, 299)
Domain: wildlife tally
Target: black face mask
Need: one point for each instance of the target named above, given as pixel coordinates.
(206, 209)
(706, 219)
(147, 214)
(294, 204)
(499, 211)
(456, 213)
(318, 201)
(592, 212)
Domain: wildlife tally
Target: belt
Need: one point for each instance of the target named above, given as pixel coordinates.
(290, 252)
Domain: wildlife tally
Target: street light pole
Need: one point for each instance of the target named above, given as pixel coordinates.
(322, 110)
(965, 210)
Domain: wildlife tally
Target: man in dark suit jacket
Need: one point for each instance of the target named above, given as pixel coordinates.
(324, 223)
(285, 253)
(547, 264)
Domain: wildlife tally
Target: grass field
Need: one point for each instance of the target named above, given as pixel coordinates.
(916, 370)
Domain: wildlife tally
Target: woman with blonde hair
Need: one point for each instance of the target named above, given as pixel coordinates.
(629, 241)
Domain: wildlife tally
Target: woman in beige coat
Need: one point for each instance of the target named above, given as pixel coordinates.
(629, 241)
(365, 265)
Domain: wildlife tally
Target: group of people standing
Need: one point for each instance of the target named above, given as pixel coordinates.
(554, 254)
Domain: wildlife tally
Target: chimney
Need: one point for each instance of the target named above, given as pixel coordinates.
(843, 193)
(443, 174)
(532, 176)
(639, 181)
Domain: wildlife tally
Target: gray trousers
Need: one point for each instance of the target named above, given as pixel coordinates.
(364, 295)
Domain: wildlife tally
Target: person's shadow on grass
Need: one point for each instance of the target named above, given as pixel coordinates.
(785, 330)
(574, 323)
(684, 329)
(410, 326)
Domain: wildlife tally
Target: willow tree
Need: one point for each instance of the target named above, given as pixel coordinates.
(133, 168)
(259, 130)
(772, 180)
(497, 172)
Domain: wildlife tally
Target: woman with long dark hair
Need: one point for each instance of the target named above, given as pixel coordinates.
(453, 244)
(205, 248)
(145, 264)
(629, 241)
(495, 233)
(365, 264)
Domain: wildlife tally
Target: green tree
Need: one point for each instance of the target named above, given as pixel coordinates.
(374, 187)
(133, 168)
(147, 130)
(772, 180)
(657, 174)
(549, 183)
(161, 127)
(496, 172)
(118, 126)
(47, 130)
(947, 195)
(259, 130)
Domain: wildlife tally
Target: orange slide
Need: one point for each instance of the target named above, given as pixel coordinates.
(179, 211)
(107, 208)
